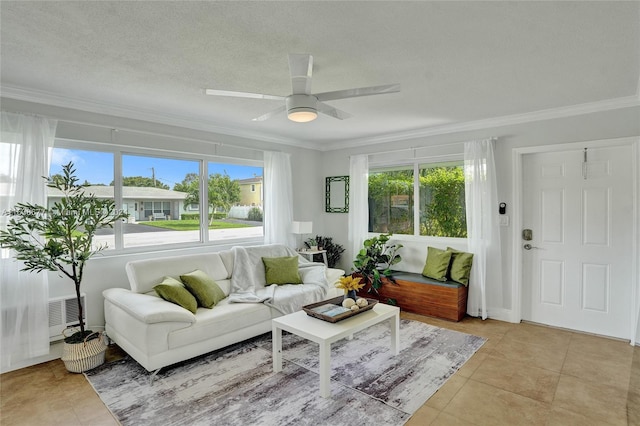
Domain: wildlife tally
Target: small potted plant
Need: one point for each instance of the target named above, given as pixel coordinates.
(60, 239)
(374, 261)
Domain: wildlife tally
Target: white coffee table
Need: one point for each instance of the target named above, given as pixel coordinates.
(325, 333)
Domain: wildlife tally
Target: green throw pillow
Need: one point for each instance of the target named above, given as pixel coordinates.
(173, 291)
(203, 287)
(461, 263)
(437, 264)
(281, 270)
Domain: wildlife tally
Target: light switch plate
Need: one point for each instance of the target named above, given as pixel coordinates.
(504, 220)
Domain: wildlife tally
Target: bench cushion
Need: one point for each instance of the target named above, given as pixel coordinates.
(417, 278)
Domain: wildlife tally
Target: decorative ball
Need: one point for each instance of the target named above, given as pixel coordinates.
(348, 302)
(362, 302)
(355, 307)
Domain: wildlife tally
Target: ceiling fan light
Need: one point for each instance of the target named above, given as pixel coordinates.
(302, 115)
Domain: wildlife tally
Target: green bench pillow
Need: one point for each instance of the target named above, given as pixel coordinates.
(461, 263)
(437, 264)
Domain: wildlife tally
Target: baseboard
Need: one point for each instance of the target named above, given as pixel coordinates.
(55, 352)
(502, 314)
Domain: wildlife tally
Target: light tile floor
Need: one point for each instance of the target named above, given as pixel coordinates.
(534, 375)
(524, 375)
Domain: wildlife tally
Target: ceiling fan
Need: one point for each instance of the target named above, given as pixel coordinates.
(302, 106)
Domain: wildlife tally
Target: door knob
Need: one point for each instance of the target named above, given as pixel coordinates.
(529, 247)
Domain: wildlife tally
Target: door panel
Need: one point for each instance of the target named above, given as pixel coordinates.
(578, 272)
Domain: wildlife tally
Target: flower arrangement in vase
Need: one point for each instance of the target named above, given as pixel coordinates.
(350, 285)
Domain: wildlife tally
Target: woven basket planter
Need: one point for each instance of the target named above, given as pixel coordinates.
(80, 357)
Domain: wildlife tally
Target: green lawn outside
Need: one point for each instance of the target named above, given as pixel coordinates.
(191, 225)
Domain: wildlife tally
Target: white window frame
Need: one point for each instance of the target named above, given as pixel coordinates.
(416, 163)
(118, 151)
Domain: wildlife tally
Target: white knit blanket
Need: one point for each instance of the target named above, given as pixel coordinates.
(248, 283)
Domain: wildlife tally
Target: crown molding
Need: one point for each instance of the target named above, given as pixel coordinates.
(153, 116)
(507, 120)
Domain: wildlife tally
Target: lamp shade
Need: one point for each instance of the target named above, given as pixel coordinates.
(301, 227)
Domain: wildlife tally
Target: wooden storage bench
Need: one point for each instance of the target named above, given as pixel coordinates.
(425, 296)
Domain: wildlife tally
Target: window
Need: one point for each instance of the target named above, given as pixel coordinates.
(440, 210)
(442, 207)
(154, 182)
(94, 169)
(163, 195)
(231, 200)
(391, 200)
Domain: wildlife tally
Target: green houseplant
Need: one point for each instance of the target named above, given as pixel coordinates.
(60, 238)
(374, 261)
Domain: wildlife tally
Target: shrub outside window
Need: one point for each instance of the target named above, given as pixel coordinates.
(441, 200)
(442, 206)
(391, 200)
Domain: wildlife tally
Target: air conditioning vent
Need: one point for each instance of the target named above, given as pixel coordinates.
(63, 313)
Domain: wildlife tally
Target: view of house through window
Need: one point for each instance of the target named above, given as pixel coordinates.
(154, 203)
(230, 194)
(163, 197)
(441, 200)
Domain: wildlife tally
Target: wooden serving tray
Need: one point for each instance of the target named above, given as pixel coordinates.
(316, 311)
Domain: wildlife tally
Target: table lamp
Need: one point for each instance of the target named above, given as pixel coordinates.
(301, 228)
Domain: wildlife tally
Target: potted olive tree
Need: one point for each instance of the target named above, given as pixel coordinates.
(60, 238)
(374, 261)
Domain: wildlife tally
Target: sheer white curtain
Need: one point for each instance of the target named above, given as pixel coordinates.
(483, 231)
(358, 201)
(278, 200)
(25, 143)
(635, 326)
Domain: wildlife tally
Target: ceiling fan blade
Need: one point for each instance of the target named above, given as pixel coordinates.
(215, 92)
(301, 68)
(270, 114)
(333, 112)
(362, 91)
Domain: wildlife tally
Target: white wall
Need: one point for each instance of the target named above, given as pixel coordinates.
(595, 126)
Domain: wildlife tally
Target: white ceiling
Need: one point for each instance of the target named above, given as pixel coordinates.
(457, 62)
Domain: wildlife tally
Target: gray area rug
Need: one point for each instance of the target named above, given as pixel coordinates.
(236, 386)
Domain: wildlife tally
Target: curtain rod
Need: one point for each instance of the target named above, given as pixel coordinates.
(493, 138)
(125, 129)
(150, 133)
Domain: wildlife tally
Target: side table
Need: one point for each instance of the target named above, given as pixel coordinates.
(309, 255)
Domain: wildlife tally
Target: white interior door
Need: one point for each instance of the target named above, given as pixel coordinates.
(577, 274)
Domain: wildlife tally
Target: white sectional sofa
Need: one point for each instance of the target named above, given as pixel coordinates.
(157, 333)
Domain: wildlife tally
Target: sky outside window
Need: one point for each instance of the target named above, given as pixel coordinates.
(97, 167)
